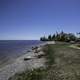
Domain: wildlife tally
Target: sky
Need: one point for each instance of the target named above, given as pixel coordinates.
(31, 19)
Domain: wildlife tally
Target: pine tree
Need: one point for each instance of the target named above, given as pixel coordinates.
(50, 38)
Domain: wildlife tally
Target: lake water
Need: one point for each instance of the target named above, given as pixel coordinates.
(11, 49)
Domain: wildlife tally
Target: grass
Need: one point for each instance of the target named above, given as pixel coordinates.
(36, 74)
(63, 64)
(49, 55)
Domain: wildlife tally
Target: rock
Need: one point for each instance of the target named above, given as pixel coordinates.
(27, 58)
(41, 55)
(28, 51)
(33, 48)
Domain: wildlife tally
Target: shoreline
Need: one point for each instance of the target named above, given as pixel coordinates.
(6, 61)
(20, 65)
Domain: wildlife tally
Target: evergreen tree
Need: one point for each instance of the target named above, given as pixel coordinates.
(50, 38)
(72, 37)
(66, 37)
(43, 39)
(53, 37)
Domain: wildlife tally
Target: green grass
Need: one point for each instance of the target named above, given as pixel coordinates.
(63, 64)
(49, 55)
(36, 74)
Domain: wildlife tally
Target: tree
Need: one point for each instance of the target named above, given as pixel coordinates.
(62, 36)
(43, 39)
(53, 37)
(66, 37)
(72, 37)
(50, 38)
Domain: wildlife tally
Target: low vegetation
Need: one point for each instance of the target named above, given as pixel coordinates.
(63, 63)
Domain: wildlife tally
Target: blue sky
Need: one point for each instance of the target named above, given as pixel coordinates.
(29, 19)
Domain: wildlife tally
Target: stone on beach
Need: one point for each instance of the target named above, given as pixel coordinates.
(27, 58)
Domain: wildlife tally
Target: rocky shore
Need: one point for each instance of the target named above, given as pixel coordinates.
(28, 61)
(25, 62)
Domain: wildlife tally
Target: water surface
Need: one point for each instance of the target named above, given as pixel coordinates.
(11, 49)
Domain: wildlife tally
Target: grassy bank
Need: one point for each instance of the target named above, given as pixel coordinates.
(63, 63)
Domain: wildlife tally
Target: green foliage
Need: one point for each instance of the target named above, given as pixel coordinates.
(53, 37)
(66, 37)
(49, 37)
(43, 39)
(35, 74)
(50, 55)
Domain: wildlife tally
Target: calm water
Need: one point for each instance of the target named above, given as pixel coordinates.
(11, 49)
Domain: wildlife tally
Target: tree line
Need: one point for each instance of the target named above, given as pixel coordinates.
(62, 36)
